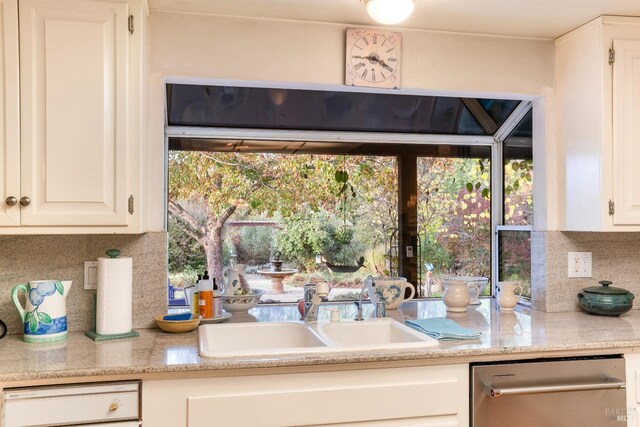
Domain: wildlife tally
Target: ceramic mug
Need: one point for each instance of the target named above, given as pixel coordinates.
(389, 290)
(508, 298)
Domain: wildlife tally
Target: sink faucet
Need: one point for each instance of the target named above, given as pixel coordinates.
(313, 294)
(358, 303)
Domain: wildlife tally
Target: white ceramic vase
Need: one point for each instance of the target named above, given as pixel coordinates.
(456, 295)
(231, 277)
(508, 295)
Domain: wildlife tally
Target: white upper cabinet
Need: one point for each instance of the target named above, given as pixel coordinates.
(9, 115)
(626, 132)
(80, 80)
(598, 106)
(73, 61)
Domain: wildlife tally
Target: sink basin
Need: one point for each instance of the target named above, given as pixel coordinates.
(257, 339)
(278, 338)
(374, 334)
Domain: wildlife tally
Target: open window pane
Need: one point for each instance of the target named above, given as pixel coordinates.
(515, 258)
(518, 174)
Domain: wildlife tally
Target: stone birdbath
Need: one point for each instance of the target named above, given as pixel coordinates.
(277, 277)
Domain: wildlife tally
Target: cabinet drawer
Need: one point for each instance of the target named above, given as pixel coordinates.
(62, 405)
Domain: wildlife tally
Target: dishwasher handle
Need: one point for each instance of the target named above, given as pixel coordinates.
(495, 392)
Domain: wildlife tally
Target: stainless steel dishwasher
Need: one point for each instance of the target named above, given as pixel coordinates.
(550, 393)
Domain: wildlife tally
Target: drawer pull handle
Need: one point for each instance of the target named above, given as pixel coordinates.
(114, 406)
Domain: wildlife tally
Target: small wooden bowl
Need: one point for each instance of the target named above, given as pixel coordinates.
(176, 326)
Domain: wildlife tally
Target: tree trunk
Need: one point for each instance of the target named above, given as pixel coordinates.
(213, 243)
(209, 235)
(213, 249)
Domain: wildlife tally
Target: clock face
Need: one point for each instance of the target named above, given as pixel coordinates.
(373, 58)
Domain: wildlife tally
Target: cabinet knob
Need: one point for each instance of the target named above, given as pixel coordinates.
(25, 201)
(114, 406)
(11, 201)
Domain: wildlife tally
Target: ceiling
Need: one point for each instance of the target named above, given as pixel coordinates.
(524, 18)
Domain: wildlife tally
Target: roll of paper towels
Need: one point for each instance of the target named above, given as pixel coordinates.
(114, 305)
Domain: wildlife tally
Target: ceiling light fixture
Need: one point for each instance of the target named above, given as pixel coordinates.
(389, 12)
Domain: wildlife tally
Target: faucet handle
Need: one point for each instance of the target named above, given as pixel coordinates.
(359, 312)
(322, 289)
(309, 290)
(381, 310)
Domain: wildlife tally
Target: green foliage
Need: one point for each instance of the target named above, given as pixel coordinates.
(306, 234)
(187, 277)
(184, 251)
(357, 191)
(253, 245)
(518, 180)
(454, 215)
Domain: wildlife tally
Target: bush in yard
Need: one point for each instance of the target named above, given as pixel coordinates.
(251, 244)
(185, 278)
(185, 252)
(303, 236)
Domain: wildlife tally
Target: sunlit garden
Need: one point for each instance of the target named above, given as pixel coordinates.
(332, 218)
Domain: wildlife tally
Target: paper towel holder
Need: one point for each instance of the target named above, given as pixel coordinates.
(111, 253)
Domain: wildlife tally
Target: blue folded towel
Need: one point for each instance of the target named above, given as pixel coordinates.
(182, 316)
(443, 329)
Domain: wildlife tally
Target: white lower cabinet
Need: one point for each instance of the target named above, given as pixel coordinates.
(433, 396)
(105, 404)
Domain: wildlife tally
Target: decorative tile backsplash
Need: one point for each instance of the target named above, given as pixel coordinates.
(24, 258)
(615, 257)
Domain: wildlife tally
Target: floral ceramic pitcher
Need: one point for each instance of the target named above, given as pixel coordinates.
(45, 314)
(231, 277)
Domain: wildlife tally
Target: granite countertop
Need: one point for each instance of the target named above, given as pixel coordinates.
(503, 333)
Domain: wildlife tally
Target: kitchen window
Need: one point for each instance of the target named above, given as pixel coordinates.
(513, 236)
(394, 183)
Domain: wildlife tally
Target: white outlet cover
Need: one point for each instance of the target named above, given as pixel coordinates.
(579, 264)
(90, 275)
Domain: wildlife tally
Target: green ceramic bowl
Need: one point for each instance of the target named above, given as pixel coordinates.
(606, 300)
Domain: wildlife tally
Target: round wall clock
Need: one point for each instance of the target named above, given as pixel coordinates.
(373, 58)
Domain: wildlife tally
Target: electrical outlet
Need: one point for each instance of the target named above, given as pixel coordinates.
(409, 251)
(90, 275)
(579, 264)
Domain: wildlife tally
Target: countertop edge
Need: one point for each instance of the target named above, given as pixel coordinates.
(356, 360)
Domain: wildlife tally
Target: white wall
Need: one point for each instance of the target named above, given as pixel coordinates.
(207, 46)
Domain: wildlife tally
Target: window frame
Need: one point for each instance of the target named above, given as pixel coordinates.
(494, 142)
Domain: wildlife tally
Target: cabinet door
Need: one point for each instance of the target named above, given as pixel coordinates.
(427, 396)
(626, 132)
(74, 64)
(632, 367)
(9, 113)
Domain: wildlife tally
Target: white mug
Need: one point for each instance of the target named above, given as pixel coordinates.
(507, 296)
